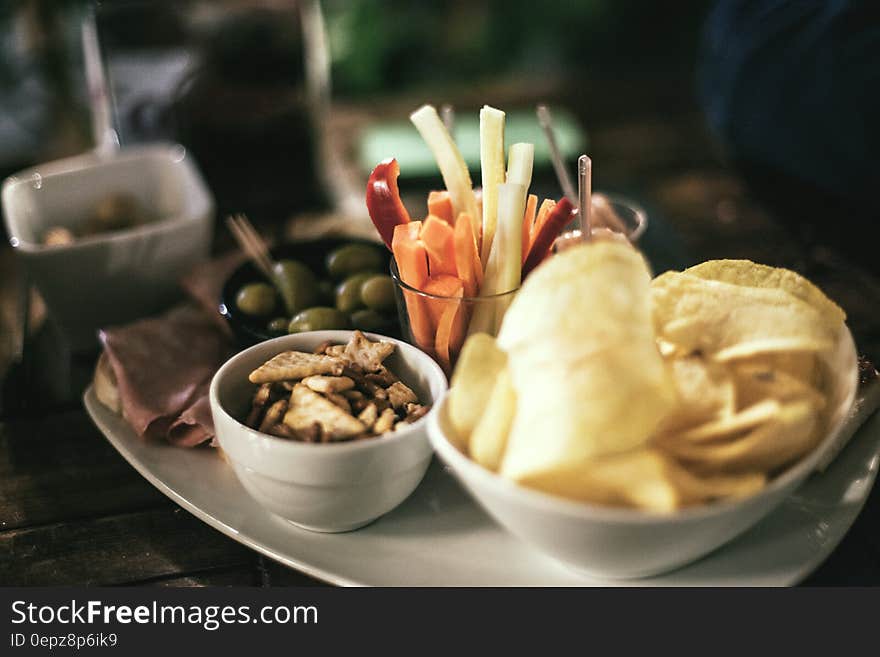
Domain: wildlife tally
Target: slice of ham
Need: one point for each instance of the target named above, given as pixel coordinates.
(196, 424)
(204, 284)
(163, 366)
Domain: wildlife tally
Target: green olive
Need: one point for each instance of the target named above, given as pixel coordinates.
(348, 293)
(369, 320)
(326, 291)
(377, 292)
(353, 258)
(278, 325)
(256, 299)
(297, 285)
(318, 318)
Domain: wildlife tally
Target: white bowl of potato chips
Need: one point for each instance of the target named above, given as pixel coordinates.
(628, 426)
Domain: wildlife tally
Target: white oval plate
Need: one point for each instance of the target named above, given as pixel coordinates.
(440, 537)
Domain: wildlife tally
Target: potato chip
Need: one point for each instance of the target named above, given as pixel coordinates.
(587, 297)
(756, 381)
(767, 447)
(644, 478)
(591, 380)
(801, 365)
(489, 438)
(728, 321)
(695, 489)
(478, 366)
(637, 478)
(750, 274)
(705, 392)
(760, 413)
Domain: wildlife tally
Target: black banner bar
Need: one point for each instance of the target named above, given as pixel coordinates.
(215, 621)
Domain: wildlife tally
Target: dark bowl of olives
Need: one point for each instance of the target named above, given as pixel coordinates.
(332, 283)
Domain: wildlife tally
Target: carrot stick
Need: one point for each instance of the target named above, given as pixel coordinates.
(439, 241)
(440, 205)
(450, 329)
(467, 256)
(459, 330)
(528, 221)
(409, 252)
(543, 212)
(441, 285)
(412, 265)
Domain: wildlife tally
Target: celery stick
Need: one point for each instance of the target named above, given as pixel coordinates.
(492, 172)
(511, 208)
(510, 214)
(455, 173)
(483, 319)
(519, 167)
(504, 268)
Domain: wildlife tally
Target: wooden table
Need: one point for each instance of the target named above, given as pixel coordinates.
(72, 511)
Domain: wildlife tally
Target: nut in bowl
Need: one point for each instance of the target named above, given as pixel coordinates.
(651, 427)
(331, 465)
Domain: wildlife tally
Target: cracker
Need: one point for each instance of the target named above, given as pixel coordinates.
(383, 377)
(416, 412)
(386, 421)
(274, 415)
(261, 397)
(327, 384)
(322, 348)
(369, 415)
(281, 430)
(307, 407)
(399, 394)
(339, 400)
(295, 365)
(367, 354)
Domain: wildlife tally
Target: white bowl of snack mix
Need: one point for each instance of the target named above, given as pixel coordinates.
(106, 239)
(329, 441)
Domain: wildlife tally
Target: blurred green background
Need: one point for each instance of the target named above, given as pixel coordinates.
(378, 49)
(227, 78)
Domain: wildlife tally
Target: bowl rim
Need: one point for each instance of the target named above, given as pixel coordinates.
(176, 153)
(423, 363)
(548, 502)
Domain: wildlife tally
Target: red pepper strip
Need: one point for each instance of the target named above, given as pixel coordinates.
(560, 216)
(383, 200)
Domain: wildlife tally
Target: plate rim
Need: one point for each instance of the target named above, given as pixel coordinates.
(95, 410)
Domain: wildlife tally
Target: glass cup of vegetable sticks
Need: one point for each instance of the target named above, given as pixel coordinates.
(438, 324)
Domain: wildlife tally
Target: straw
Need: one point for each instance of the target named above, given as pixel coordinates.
(585, 192)
(546, 122)
(105, 136)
